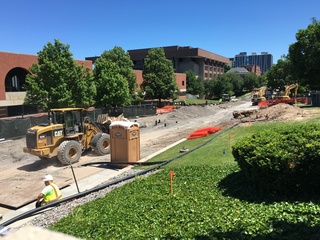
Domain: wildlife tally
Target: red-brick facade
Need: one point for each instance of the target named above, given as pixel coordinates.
(14, 67)
(181, 81)
(9, 61)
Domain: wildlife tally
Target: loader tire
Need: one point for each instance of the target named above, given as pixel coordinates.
(102, 146)
(69, 152)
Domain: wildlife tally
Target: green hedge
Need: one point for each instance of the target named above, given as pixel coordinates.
(282, 160)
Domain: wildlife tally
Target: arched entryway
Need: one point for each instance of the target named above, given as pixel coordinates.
(16, 79)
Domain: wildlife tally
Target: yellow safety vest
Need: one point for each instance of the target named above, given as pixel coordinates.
(54, 195)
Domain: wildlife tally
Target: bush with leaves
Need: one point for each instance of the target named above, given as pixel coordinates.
(283, 160)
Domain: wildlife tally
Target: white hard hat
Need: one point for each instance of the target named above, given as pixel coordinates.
(48, 178)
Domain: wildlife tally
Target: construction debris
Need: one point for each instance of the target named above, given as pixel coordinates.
(244, 113)
(279, 112)
(105, 118)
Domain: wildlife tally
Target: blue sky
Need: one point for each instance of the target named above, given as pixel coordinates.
(91, 27)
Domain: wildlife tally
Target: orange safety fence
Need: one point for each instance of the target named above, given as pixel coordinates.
(203, 132)
(263, 104)
(165, 109)
(271, 102)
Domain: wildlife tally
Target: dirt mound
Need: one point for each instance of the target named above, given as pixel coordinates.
(284, 112)
(192, 112)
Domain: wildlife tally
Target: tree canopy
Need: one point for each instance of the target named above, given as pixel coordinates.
(58, 81)
(194, 84)
(158, 76)
(280, 74)
(251, 81)
(110, 78)
(122, 59)
(304, 55)
(214, 88)
(232, 84)
(236, 81)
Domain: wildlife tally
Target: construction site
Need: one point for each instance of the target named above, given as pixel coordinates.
(22, 173)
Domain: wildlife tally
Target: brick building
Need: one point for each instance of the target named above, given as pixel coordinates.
(203, 63)
(181, 81)
(13, 70)
(254, 69)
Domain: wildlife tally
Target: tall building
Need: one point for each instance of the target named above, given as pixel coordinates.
(264, 60)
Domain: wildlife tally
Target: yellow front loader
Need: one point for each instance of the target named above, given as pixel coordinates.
(67, 135)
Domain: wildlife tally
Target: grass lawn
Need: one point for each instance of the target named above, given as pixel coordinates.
(210, 200)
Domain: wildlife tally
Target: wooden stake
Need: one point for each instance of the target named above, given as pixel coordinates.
(172, 175)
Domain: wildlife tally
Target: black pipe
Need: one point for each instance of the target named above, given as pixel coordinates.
(74, 176)
(121, 163)
(75, 196)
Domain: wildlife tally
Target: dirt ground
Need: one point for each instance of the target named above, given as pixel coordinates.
(24, 171)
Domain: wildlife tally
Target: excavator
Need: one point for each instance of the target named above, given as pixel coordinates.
(285, 98)
(259, 96)
(288, 88)
(68, 133)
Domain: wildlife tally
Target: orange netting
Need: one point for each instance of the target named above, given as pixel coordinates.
(203, 132)
(165, 109)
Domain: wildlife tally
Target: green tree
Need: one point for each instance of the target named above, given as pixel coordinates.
(279, 75)
(122, 59)
(58, 81)
(158, 76)
(226, 68)
(194, 84)
(236, 81)
(250, 81)
(112, 86)
(209, 87)
(304, 55)
(214, 88)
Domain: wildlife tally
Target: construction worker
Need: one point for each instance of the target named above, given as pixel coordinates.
(50, 193)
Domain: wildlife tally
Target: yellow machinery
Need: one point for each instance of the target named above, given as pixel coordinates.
(68, 133)
(286, 96)
(259, 96)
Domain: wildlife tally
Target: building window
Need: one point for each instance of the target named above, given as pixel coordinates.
(15, 83)
(182, 83)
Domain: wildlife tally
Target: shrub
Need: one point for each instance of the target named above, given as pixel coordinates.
(282, 160)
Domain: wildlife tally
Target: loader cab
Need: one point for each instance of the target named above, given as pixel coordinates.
(71, 118)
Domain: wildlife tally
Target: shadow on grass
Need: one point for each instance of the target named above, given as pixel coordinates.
(235, 185)
(281, 230)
